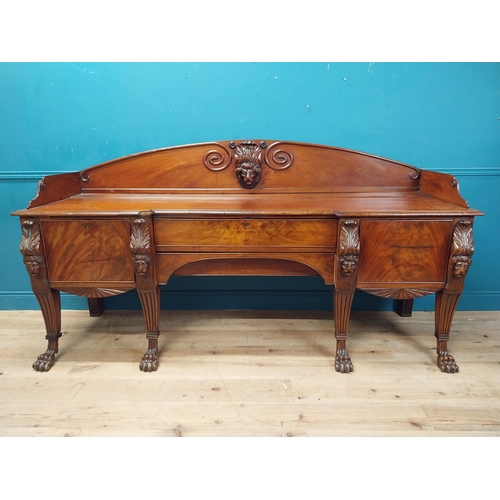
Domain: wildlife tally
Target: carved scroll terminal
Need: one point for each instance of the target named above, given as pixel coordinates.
(277, 158)
(218, 159)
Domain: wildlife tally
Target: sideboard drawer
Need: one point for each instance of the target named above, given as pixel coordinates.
(88, 250)
(400, 251)
(256, 234)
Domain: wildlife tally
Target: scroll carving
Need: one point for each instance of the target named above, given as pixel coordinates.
(249, 159)
(277, 158)
(349, 248)
(415, 175)
(140, 244)
(218, 159)
(463, 248)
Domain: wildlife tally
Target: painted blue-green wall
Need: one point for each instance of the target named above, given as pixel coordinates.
(61, 117)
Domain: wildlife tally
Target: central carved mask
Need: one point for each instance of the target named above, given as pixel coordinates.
(248, 163)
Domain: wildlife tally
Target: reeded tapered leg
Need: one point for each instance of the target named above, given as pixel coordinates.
(342, 312)
(50, 304)
(346, 271)
(446, 304)
(151, 309)
(49, 299)
(459, 262)
(143, 256)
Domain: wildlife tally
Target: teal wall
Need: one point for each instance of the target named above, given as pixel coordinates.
(59, 117)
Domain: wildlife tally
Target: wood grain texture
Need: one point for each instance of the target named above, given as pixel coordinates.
(250, 374)
(404, 251)
(258, 235)
(253, 207)
(225, 264)
(184, 167)
(56, 187)
(296, 204)
(88, 250)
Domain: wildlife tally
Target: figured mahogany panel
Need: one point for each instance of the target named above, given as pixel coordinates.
(88, 250)
(403, 251)
(198, 233)
(231, 166)
(309, 233)
(258, 235)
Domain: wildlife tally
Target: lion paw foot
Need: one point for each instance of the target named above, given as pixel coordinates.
(446, 362)
(343, 363)
(45, 361)
(149, 362)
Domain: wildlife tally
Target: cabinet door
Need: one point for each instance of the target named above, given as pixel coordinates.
(403, 251)
(88, 250)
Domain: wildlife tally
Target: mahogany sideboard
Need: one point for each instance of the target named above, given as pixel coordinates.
(248, 208)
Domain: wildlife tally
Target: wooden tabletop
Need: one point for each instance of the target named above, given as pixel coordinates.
(251, 204)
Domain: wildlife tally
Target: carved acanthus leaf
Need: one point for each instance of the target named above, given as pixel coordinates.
(140, 237)
(30, 241)
(349, 238)
(463, 241)
(349, 246)
(247, 151)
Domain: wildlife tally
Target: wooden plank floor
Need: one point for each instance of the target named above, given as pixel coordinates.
(249, 373)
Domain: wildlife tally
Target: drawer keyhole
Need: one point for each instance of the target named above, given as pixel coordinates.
(245, 225)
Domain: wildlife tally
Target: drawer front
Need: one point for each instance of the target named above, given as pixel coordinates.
(255, 234)
(88, 250)
(399, 251)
